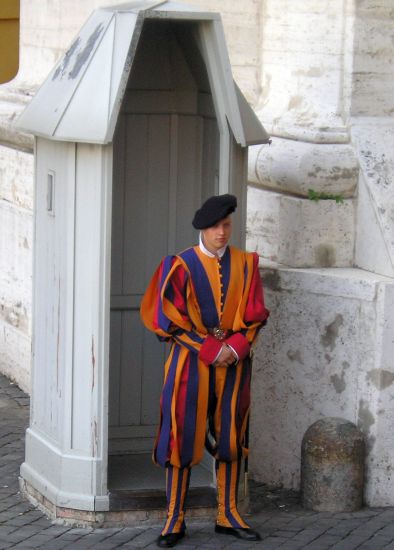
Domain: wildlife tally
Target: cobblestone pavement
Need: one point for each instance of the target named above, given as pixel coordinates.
(277, 515)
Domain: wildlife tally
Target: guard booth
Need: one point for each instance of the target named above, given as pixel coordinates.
(138, 123)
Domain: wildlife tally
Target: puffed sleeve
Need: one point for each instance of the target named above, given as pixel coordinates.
(164, 310)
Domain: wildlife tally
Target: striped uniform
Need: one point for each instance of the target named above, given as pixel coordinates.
(190, 294)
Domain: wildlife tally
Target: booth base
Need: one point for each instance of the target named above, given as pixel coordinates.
(136, 496)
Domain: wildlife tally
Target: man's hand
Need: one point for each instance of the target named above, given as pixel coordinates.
(226, 357)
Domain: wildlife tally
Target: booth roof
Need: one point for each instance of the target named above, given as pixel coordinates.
(70, 106)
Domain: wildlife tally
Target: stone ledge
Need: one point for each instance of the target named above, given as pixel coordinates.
(339, 282)
(298, 232)
(12, 103)
(289, 166)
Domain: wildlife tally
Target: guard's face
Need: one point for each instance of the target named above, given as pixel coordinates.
(218, 235)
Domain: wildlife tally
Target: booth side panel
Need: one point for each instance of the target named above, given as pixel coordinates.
(52, 285)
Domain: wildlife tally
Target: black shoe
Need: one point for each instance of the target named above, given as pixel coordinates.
(240, 533)
(169, 540)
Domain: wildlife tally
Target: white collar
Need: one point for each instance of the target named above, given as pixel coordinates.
(205, 251)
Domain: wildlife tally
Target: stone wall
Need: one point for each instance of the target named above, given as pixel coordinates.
(327, 351)
(16, 243)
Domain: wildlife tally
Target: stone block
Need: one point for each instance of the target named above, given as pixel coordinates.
(374, 145)
(295, 167)
(370, 247)
(16, 177)
(326, 351)
(299, 232)
(16, 226)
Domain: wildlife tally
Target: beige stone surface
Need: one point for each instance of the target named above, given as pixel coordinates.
(15, 289)
(298, 232)
(291, 166)
(326, 351)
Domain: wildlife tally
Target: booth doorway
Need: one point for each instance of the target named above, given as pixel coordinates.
(165, 159)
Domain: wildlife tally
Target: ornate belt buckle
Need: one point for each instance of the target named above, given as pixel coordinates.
(219, 333)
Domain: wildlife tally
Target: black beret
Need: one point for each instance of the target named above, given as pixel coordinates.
(213, 210)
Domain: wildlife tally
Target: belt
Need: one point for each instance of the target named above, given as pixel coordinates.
(220, 333)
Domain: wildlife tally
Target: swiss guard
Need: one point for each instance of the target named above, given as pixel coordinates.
(207, 303)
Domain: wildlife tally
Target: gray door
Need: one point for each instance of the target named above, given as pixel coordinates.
(164, 165)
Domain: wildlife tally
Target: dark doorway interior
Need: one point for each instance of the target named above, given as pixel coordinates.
(166, 158)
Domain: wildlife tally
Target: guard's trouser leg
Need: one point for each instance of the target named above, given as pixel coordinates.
(227, 477)
(177, 485)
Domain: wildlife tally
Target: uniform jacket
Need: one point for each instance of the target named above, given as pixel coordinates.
(189, 294)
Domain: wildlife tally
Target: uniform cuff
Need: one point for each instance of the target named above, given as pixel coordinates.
(210, 350)
(240, 345)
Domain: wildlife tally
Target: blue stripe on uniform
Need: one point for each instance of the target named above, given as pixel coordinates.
(189, 425)
(165, 429)
(224, 451)
(202, 287)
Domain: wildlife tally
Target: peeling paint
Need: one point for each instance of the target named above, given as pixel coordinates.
(94, 437)
(84, 54)
(58, 337)
(380, 378)
(93, 362)
(79, 58)
(328, 339)
(61, 70)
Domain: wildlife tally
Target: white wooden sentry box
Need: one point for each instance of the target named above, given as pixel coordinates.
(136, 125)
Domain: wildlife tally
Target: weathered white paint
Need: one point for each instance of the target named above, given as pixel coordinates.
(66, 444)
(327, 351)
(300, 232)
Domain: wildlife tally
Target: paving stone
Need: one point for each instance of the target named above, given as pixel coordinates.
(373, 544)
(58, 544)
(349, 543)
(324, 541)
(307, 535)
(127, 534)
(37, 541)
(270, 543)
